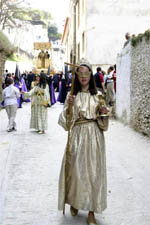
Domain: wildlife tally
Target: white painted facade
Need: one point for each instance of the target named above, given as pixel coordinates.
(58, 56)
(24, 35)
(123, 98)
(103, 25)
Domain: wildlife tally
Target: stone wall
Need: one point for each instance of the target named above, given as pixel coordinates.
(140, 87)
(133, 86)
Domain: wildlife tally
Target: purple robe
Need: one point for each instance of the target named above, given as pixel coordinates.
(59, 95)
(2, 104)
(53, 99)
(24, 88)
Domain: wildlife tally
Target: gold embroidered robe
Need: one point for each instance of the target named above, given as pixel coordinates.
(86, 183)
(38, 111)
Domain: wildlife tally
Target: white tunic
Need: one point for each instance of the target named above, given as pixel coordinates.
(10, 95)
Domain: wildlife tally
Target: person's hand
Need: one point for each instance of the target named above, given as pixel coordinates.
(71, 99)
(22, 92)
(103, 110)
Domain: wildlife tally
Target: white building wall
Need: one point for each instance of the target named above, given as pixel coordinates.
(69, 42)
(81, 28)
(104, 38)
(111, 20)
(123, 99)
(25, 35)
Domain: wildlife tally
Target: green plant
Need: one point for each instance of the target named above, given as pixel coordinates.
(137, 39)
(133, 41)
(53, 33)
(147, 35)
(5, 45)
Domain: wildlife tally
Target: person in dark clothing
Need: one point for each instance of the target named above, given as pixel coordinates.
(62, 91)
(56, 82)
(8, 76)
(25, 77)
(60, 75)
(69, 81)
(51, 89)
(30, 78)
(99, 79)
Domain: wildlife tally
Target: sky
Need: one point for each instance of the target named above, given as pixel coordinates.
(58, 9)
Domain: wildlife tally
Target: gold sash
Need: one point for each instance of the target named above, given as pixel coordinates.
(84, 121)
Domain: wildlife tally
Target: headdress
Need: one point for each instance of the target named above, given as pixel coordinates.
(84, 62)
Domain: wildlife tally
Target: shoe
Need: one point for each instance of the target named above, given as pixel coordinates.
(10, 130)
(91, 220)
(14, 129)
(74, 212)
(41, 132)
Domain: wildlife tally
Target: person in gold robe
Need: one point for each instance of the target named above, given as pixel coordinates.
(41, 57)
(36, 81)
(86, 187)
(47, 61)
(40, 100)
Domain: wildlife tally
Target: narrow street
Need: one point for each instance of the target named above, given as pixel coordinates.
(29, 172)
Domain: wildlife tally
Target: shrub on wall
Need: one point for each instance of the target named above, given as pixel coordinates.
(137, 39)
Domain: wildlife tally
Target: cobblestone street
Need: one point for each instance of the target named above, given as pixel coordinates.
(30, 165)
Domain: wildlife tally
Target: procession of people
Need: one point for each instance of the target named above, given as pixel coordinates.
(84, 185)
(74, 112)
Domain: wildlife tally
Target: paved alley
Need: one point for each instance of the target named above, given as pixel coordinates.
(30, 165)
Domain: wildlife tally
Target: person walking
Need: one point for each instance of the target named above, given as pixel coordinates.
(56, 82)
(40, 100)
(30, 78)
(99, 80)
(9, 96)
(110, 94)
(85, 187)
(49, 79)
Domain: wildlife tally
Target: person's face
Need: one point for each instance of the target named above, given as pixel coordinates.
(84, 76)
(37, 78)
